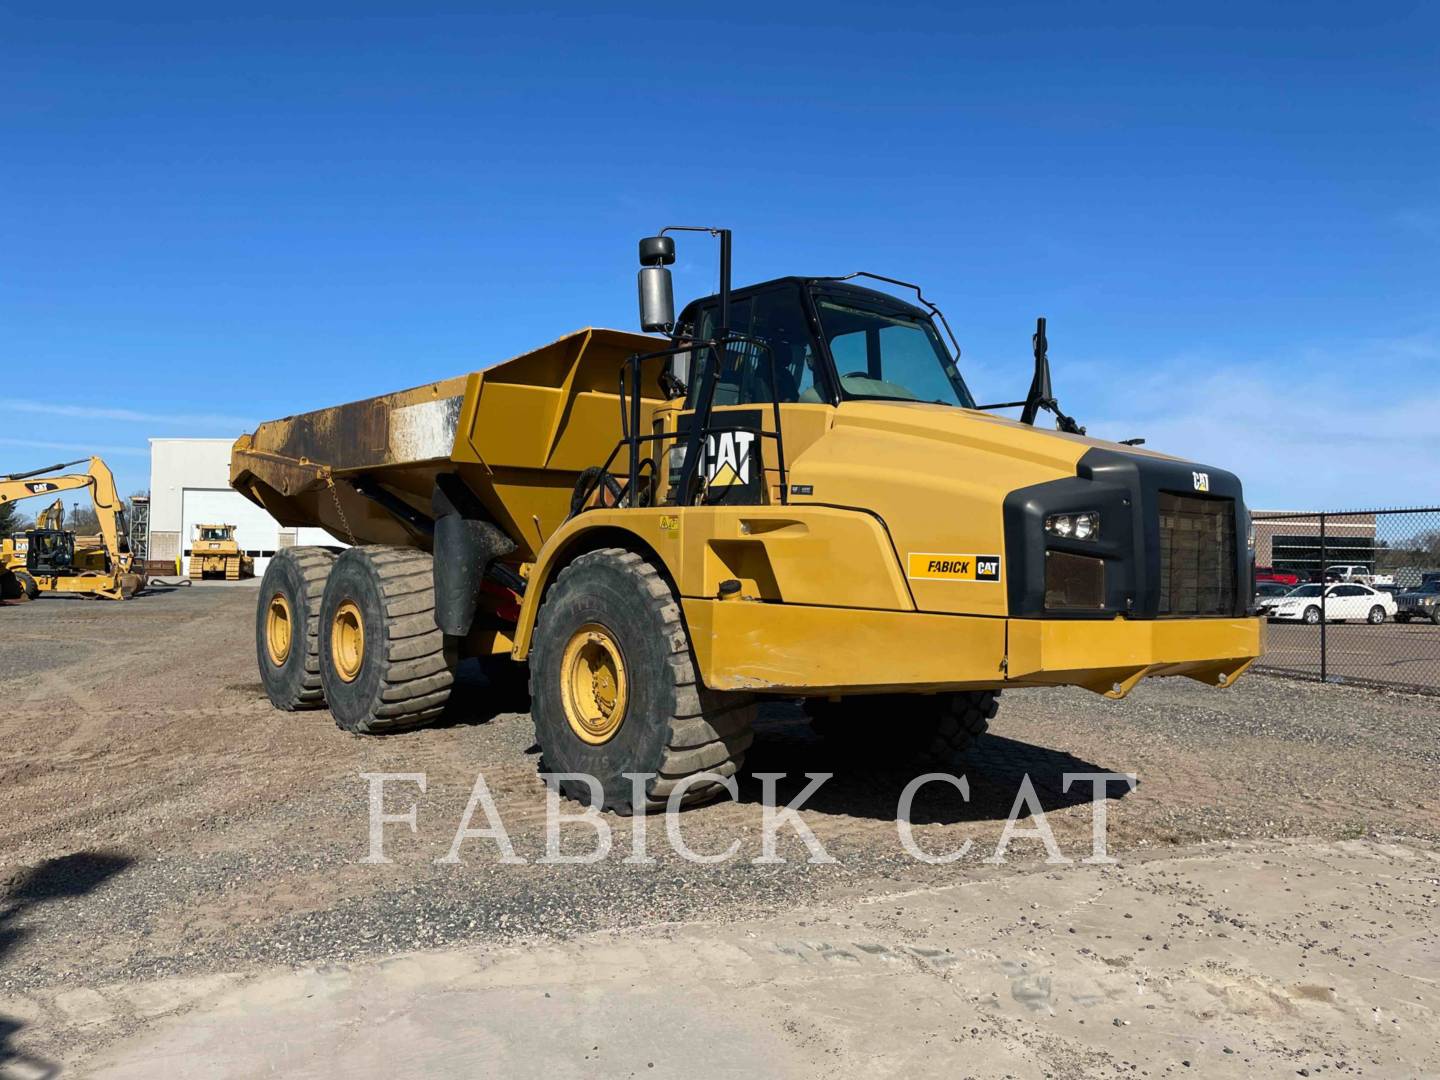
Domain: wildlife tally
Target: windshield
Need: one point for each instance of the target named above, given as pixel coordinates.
(1429, 586)
(889, 357)
(213, 534)
(1305, 590)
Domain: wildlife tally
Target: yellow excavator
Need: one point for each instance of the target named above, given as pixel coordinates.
(45, 559)
(52, 517)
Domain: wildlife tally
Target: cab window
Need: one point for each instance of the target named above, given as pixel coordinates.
(776, 322)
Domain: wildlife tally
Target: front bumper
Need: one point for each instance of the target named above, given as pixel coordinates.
(793, 648)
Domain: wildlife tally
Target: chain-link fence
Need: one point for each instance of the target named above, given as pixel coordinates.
(1352, 596)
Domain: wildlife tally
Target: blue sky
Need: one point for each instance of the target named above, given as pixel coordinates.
(1230, 214)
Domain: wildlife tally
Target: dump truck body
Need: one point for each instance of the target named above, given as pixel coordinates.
(835, 541)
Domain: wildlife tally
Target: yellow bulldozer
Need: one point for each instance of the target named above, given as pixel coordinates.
(48, 559)
(215, 551)
(792, 493)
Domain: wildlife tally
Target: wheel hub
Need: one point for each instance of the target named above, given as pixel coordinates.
(347, 641)
(279, 630)
(594, 687)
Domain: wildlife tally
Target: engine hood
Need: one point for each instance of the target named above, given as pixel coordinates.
(964, 495)
(982, 431)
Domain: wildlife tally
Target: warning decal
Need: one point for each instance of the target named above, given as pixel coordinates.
(939, 566)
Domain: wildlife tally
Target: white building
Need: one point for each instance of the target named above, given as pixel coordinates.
(190, 486)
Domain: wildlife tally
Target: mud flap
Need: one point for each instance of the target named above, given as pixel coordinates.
(466, 542)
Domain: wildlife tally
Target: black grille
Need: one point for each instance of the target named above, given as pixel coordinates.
(1197, 555)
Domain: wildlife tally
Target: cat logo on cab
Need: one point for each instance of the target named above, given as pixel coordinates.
(935, 566)
(1202, 481)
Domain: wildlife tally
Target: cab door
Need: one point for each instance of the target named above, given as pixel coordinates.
(778, 364)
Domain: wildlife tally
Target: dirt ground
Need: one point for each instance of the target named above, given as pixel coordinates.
(179, 862)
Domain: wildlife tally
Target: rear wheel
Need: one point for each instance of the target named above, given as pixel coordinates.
(905, 729)
(614, 689)
(287, 627)
(1377, 615)
(384, 664)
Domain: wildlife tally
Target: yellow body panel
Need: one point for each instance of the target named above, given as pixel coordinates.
(815, 555)
(794, 648)
(1111, 656)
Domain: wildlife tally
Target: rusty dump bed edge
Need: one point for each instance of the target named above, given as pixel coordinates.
(524, 413)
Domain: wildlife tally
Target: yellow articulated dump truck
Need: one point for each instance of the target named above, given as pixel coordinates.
(791, 493)
(215, 551)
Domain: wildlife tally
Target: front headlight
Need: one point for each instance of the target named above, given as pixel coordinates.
(1081, 526)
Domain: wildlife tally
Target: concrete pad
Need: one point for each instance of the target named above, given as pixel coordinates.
(1224, 961)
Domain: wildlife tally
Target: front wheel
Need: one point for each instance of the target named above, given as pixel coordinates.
(1312, 616)
(1376, 616)
(614, 689)
(1435, 615)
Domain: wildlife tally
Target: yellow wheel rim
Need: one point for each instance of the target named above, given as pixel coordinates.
(279, 630)
(347, 641)
(593, 684)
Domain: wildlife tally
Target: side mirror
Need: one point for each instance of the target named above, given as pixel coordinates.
(657, 295)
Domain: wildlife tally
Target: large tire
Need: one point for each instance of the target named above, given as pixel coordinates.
(384, 663)
(661, 720)
(28, 585)
(290, 593)
(907, 730)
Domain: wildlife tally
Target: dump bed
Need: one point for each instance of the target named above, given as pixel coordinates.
(518, 433)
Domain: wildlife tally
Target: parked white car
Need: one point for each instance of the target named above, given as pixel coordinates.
(1345, 601)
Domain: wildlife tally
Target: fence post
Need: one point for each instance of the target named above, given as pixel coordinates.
(1324, 560)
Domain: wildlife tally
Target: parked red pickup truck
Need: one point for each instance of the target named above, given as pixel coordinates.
(1281, 577)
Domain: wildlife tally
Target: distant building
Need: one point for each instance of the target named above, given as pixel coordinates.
(1287, 540)
(190, 486)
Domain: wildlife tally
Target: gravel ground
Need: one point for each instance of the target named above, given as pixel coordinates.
(158, 818)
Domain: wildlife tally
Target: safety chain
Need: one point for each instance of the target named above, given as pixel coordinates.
(330, 481)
